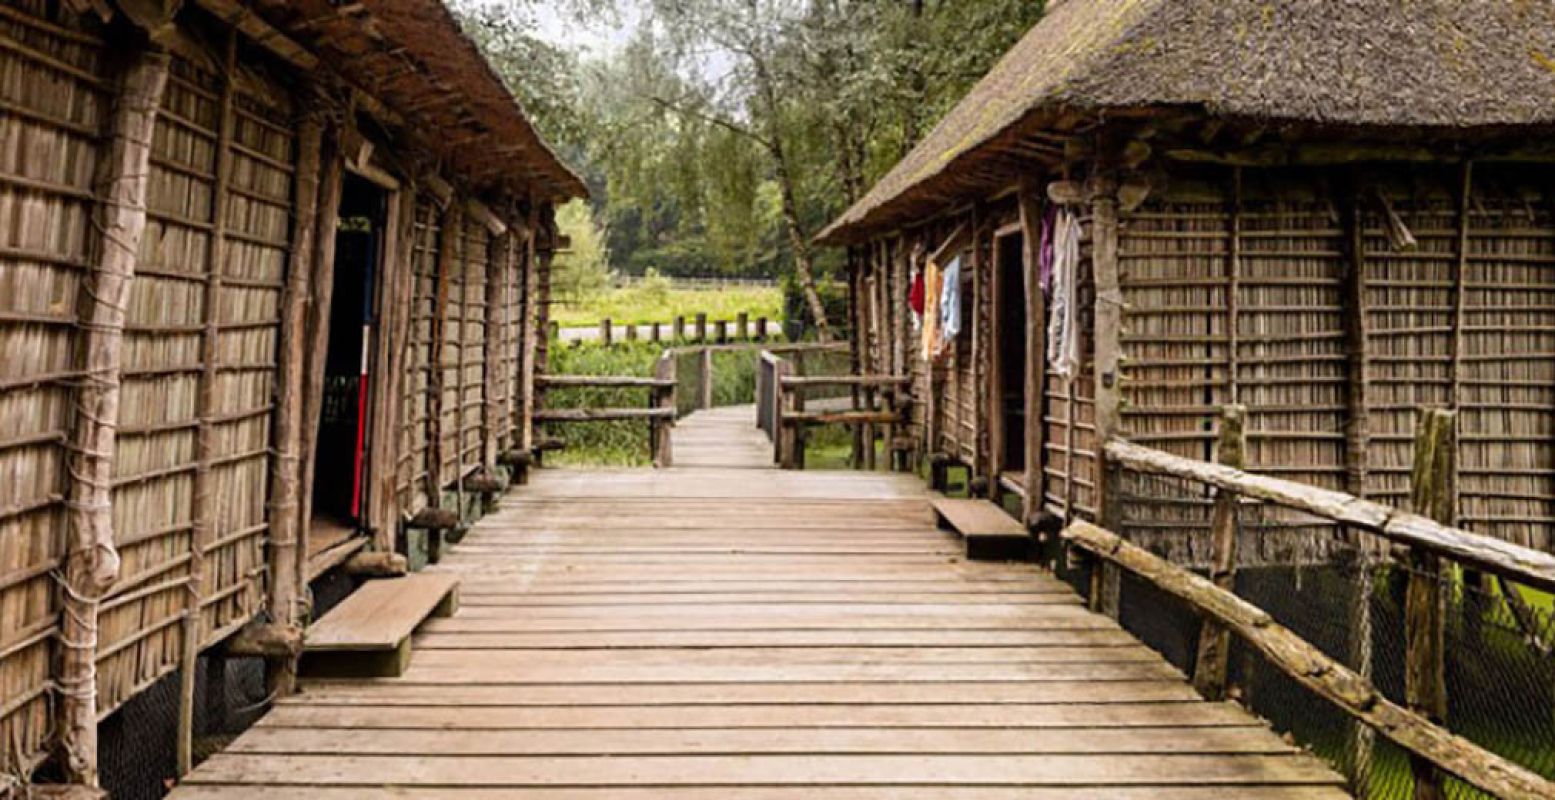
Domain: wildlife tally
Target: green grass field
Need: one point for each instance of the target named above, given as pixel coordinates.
(657, 302)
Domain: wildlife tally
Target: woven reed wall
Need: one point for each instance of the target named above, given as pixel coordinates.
(415, 455)
(509, 299)
(1069, 422)
(472, 351)
(450, 353)
(178, 290)
(53, 106)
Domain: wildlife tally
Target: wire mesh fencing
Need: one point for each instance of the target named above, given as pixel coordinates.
(1350, 603)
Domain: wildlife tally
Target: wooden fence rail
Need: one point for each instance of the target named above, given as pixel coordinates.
(781, 393)
(702, 330)
(1422, 540)
(659, 413)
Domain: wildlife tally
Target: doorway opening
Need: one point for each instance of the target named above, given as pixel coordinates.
(340, 462)
(1010, 260)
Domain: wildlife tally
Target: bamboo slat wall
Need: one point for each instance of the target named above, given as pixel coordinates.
(55, 106)
(415, 454)
(1241, 285)
(472, 351)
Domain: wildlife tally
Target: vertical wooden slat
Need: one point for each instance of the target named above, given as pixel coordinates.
(207, 405)
(91, 563)
(1425, 672)
(390, 362)
(497, 267)
(451, 230)
(663, 447)
(530, 333)
(1210, 665)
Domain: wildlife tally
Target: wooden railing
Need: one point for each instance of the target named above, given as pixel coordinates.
(781, 412)
(659, 411)
(700, 330)
(1422, 542)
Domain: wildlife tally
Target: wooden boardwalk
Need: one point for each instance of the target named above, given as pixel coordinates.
(723, 630)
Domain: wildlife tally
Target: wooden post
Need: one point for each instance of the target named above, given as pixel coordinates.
(1210, 667)
(705, 371)
(655, 332)
(606, 332)
(856, 342)
(787, 433)
(497, 250)
(700, 331)
(203, 518)
(316, 331)
(678, 328)
(631, 332)
(1425, 674)
(663, 446)
(742, 330)
(530, 333)
(1036, 354)
(91, 563)
(721, 331)
(1109, 376)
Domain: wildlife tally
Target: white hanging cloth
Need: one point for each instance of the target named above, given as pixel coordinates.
(1063, 340)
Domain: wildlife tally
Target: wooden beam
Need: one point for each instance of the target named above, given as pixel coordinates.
(496, 278)
(1521, 564)
(91, 563)
(599, 414)
(1316, 671)
(1035, 389)
(1431, 495)
(264, 34)
(1108, 368)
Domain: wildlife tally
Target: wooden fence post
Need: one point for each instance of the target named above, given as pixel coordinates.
(1106, 581)
(663, 447)
(742, 329)
(91, 563)
(706, 373)
(631, 332)
(655, 333)
(1209, 673)
(761, 329)
(721, 331)
(701, 327)
(787, 437)
(606, 331)
(678, 328)
(1431, 495)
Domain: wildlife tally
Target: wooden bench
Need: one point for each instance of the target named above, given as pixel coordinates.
(990, 534)
(368, 634)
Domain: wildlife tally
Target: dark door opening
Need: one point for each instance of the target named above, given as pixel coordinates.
(1012, 349)
(340, 460)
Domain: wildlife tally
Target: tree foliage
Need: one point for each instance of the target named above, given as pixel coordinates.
(724, 133)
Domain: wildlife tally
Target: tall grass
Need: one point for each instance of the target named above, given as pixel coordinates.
(653, 301)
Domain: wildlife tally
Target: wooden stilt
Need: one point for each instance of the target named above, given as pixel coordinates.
(91, 563)
(1425, 652)
(1210, 670)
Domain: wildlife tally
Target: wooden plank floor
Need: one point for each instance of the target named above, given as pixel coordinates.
(718, 630)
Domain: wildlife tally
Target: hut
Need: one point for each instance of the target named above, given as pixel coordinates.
(268, 275)
(1331, 213)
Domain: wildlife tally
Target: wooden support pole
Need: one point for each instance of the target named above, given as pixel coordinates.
(530, 333)
(285, 603)
(394, 337)
(1036, 354)
(317, 333)
(1109, 376)
(203, 530)
(761, 329)
(655, 332)
(1425, 657)
(786, 436)
(705, 370)
(742, 330)
(721, 331)
(1210, 667)
(663, 447)
(606, 332)
(91, 563)
(678, 328)
(701, 327)
(631, 332)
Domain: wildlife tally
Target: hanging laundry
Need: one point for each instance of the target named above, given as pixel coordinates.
(1045, 248)
(949, 306)
(1063, 340)
(931, 278)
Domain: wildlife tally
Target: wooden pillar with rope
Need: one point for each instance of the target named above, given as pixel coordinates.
(91, 562)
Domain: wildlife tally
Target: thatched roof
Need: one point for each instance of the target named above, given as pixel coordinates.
(1398, 63)
(413, 57)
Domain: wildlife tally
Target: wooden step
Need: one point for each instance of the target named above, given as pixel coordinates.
(368, 634)
(990, 534)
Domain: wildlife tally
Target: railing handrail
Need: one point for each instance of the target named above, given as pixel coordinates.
(1511, 561)
(603, 382)
(803, 381)
(1312, 668)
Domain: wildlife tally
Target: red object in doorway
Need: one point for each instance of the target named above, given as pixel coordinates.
(915, 295)
(361, 430)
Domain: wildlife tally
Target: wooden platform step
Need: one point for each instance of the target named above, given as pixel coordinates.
(368, 634)
(990, 534)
